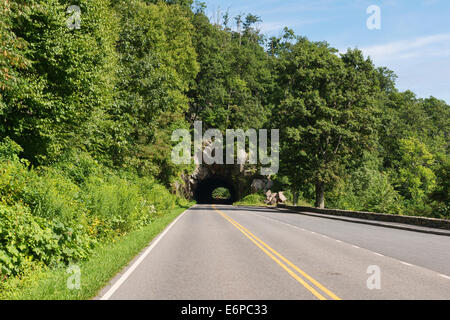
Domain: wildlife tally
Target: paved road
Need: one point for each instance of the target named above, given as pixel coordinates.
(226, 252)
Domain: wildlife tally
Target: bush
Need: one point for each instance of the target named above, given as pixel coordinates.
(114, 205)
(9, 149)
(78, 166)
(53, 215)
(366, 189)
(221, 193)
(25, 238)
(254, 199)
(53, 196)
(156, 194)
(14, 177)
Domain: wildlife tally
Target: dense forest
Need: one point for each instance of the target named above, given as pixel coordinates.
(86, 117)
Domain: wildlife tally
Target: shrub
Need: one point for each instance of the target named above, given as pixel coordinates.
(113, 204)
(14, 177)
(78, 166)
(366, 189)
(9, 149)
(156, 194)
(53, 215)
(53, 196)
(221, 193)
(252, 199)
(25, 238)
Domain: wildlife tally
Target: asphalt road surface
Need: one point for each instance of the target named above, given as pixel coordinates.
(225, 252)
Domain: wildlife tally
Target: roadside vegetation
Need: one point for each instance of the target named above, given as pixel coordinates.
(51, 217)
(258, 199)
(221, 194)
(255, 199)
(86, 118)
(105, 261)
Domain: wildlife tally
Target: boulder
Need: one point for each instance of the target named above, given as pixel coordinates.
(281, 197)
(257, 185)
(269, 184)
(273, 198)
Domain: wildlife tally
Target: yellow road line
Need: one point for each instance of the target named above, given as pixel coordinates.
(261, 243)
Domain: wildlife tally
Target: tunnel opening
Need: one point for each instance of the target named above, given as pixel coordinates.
(215, 191)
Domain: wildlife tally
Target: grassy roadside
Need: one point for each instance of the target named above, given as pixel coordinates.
(105, 262)
(257, 200)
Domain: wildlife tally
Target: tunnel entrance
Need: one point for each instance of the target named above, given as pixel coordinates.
(206, 191)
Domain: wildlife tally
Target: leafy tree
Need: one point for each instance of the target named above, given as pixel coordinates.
(12, 48)
(157, 66)
(231, 89)
(367, 188)
(58, 102)
(327, 114)
(414, 177)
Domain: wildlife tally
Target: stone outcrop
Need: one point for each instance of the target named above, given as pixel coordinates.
(273, 198)
(260, 185)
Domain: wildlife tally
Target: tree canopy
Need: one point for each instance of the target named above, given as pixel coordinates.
(136, 70)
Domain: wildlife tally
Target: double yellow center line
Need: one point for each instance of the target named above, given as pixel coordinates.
(317, 289)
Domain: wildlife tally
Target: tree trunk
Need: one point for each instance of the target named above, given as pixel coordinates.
(294, 197)
(320, 195)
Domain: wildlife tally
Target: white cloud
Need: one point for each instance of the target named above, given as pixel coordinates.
(422, 64)
(406, 49)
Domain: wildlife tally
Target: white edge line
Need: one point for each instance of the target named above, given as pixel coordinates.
(406, 263)
(124, 277)
(445, 276)
(378, 254)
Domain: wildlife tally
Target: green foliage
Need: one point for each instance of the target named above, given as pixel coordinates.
(414, 177)
(221, 193)
(255, 199)
(12, 58)
(327, 114)
(231, 89)
(63, 211)
(14, 177)
(366, 189)
(442, 171)
(59, 100)
(26, 238)
(157, 65)
(9, 150)
(51, 195)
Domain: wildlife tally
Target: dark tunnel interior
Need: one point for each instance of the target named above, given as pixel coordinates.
(204, 192)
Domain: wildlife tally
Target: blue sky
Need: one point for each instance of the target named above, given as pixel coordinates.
(414, 39)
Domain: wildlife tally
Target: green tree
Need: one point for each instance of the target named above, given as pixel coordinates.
(414, 177)
(59, 101)
(12, 48)
(327, 113)
(233, 85)
(157, 66)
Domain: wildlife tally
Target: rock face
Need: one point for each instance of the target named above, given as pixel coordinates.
(229, 176)
(200, 183)
(240, 179)
(272, 198)
(260, 184)
(257, 185)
